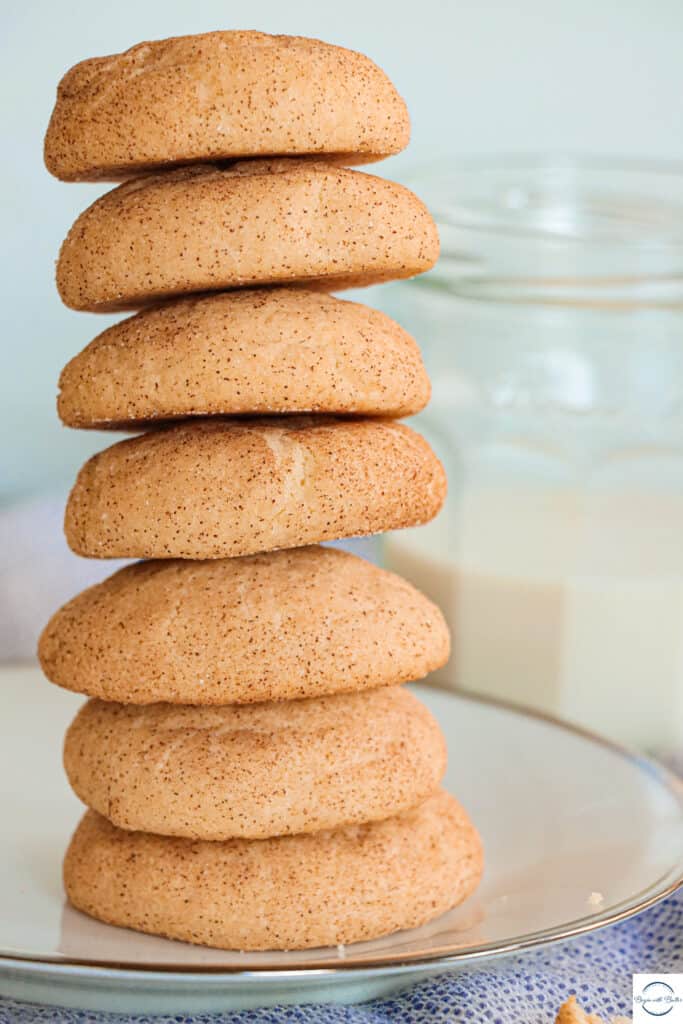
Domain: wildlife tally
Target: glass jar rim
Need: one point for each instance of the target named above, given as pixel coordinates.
(457, 196)
(565, 229)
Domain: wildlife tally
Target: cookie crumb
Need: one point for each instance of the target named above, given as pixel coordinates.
(571, 1013)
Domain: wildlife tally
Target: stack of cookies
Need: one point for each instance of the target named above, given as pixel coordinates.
(256, 776)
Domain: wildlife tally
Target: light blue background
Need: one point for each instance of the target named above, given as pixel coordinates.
(480, 77)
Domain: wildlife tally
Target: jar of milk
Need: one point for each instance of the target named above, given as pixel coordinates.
(552, 329)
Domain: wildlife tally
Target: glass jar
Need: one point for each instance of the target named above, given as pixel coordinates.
(552, 330)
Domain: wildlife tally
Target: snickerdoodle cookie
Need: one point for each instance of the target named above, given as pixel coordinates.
(258, 222)
(257, 770)
(218, 96)
(266, 351)
(214, 488)
(303, 622)
(291, 892)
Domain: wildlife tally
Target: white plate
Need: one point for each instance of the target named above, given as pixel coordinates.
(578, 834)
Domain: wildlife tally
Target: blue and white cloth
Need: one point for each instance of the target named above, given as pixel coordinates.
(523, 990)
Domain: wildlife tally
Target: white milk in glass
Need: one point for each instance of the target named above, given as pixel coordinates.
(569, 602)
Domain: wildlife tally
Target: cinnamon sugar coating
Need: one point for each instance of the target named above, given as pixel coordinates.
(303, 622)
(217, 96)
(215, 488)
(291, 892)
(233, 353)
(258, 222)
(258, 770)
